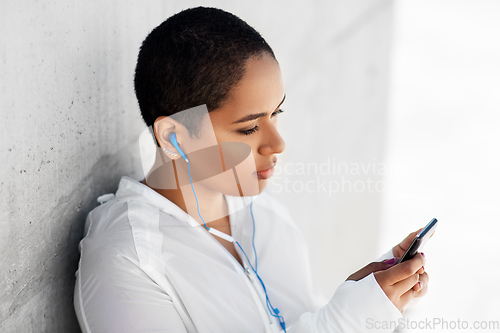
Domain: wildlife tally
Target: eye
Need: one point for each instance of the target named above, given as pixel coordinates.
(277, 112)
(256, 128)
(250, 131)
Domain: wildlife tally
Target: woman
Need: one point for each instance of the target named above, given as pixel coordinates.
(198, 245)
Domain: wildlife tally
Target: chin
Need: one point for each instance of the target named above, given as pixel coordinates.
(262, 184)
(248, 189)
(236, 185)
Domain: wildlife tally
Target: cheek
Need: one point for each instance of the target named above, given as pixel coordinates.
(234, 174)
(239, 163)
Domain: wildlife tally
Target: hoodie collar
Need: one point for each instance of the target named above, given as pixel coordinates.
(129, 188)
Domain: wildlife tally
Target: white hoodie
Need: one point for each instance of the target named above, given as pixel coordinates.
(147, 266)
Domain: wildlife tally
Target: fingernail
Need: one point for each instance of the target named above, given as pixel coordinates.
(419, 285)
(423, 268)
(423, 255)
(390, 261)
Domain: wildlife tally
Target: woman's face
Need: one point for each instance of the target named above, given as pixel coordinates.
(249, 117)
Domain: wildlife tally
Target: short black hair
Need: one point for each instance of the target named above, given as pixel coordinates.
(194, 57)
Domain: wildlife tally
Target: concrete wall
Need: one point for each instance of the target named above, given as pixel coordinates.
(70, 124)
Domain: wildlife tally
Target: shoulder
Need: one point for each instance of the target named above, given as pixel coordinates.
(109, 228)
(108, 242)
(119, 213)
(106, 217)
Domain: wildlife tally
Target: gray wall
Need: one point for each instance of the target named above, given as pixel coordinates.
(70, 124)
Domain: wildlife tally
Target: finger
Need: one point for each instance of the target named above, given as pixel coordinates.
(407, 297)
(391, 262)
(407, 241)
(421, 292)
(424, 278)
(409, 283)
(370, 268)
(406, 269)
(416, 232)
(412, 235)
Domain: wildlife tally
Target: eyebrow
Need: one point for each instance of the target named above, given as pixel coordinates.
(256, 115)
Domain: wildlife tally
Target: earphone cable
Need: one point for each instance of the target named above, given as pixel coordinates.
(273, 311)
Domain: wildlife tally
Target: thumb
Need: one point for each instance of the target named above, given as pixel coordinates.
(371, 268)
(391, 262)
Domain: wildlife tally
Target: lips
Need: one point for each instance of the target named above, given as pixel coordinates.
(267, 171)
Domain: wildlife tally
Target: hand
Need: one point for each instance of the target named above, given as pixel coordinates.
(372, 267)
(400, 249)
(401, 282)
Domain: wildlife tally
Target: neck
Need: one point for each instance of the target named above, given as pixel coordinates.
(164, 179)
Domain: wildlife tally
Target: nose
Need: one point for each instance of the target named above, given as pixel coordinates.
(272, 143)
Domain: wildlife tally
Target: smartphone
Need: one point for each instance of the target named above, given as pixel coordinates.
(419, 240)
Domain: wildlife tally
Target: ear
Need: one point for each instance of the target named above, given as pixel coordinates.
(163, 127)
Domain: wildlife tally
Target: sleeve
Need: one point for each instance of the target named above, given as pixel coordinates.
(112, 294)
(356, 306)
